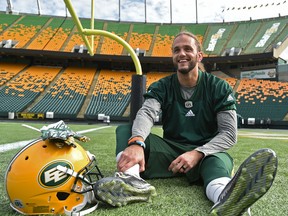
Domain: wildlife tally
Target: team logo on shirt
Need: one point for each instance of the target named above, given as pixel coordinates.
(188, 104)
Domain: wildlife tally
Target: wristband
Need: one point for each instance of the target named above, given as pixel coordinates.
(138, 142)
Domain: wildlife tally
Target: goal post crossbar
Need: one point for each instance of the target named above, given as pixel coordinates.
(92, 32)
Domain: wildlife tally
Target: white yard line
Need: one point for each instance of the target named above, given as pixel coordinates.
(92, 129)
(262, 134)
(20, 144)
(265, 135)
(15, 145)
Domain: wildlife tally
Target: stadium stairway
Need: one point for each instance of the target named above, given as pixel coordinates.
(37, 34)
(10, 71)
(101, 40)
(229, 38)
(24, 29)
(129, 35)
(60, 35)
(40, 97)
(24, 88)
(6, 22)
(74, 29)
(149, 53)
(67, 95)
(88, 97)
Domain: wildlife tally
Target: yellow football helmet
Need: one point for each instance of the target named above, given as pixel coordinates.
(47, 177)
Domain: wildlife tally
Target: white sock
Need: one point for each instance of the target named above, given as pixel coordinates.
(215, 187)
(134, 170)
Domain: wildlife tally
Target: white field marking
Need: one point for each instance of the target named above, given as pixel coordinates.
(265, 137)
(260, 135)
(31, 127)
(92, 129)
(19, 144)
(15, 145)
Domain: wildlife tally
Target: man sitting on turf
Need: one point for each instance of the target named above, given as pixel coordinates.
(199, 125)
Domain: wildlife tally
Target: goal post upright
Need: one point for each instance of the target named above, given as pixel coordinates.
(138, 79)
(91, 32)
(92, 24)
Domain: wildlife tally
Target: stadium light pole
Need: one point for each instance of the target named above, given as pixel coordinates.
(196, 5)
(39, 7)
(145, 11)
(9, 7)
(92, 24)
(171, 18)
(119, 8)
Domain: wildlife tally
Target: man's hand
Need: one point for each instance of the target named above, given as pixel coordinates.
(186, 161)
(133, 154)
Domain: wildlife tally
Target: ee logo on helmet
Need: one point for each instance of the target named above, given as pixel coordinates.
(50, 177)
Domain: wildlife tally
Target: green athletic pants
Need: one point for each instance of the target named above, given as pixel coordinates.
(159, 153)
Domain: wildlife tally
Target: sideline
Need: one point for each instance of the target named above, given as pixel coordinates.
(20, 144)
(269, 134)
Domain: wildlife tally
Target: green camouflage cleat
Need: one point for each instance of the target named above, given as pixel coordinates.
(123, 189)
(252, 180)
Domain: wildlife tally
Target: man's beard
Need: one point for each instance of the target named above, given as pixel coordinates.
(190, 67)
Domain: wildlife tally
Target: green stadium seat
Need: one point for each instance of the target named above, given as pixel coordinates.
(261, 99)
(266, 35)
(216, 37)
(111, 46)
(20, 92)
(6, 20)
(164, 38)
(24, 30)
(66, 96)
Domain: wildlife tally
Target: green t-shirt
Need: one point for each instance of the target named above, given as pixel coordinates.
(192, 121)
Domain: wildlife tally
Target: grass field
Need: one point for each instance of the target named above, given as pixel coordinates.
(175, 195)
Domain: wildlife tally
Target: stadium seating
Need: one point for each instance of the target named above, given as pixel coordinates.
(76, 39)
(155, 76)
(266, 34)
(198, 30)
(110, 46)
(25, 88)
(164, 38)
(217, 36)
(262, 98)
(244, 33)
(66, 96)
(9, 70)
(141, 36)
(24, 30)
(60, 34)
(6, 20)
(67, 89)
(111, 94)
(46, 35)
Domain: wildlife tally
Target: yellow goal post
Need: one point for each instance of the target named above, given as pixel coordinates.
(92, 32)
